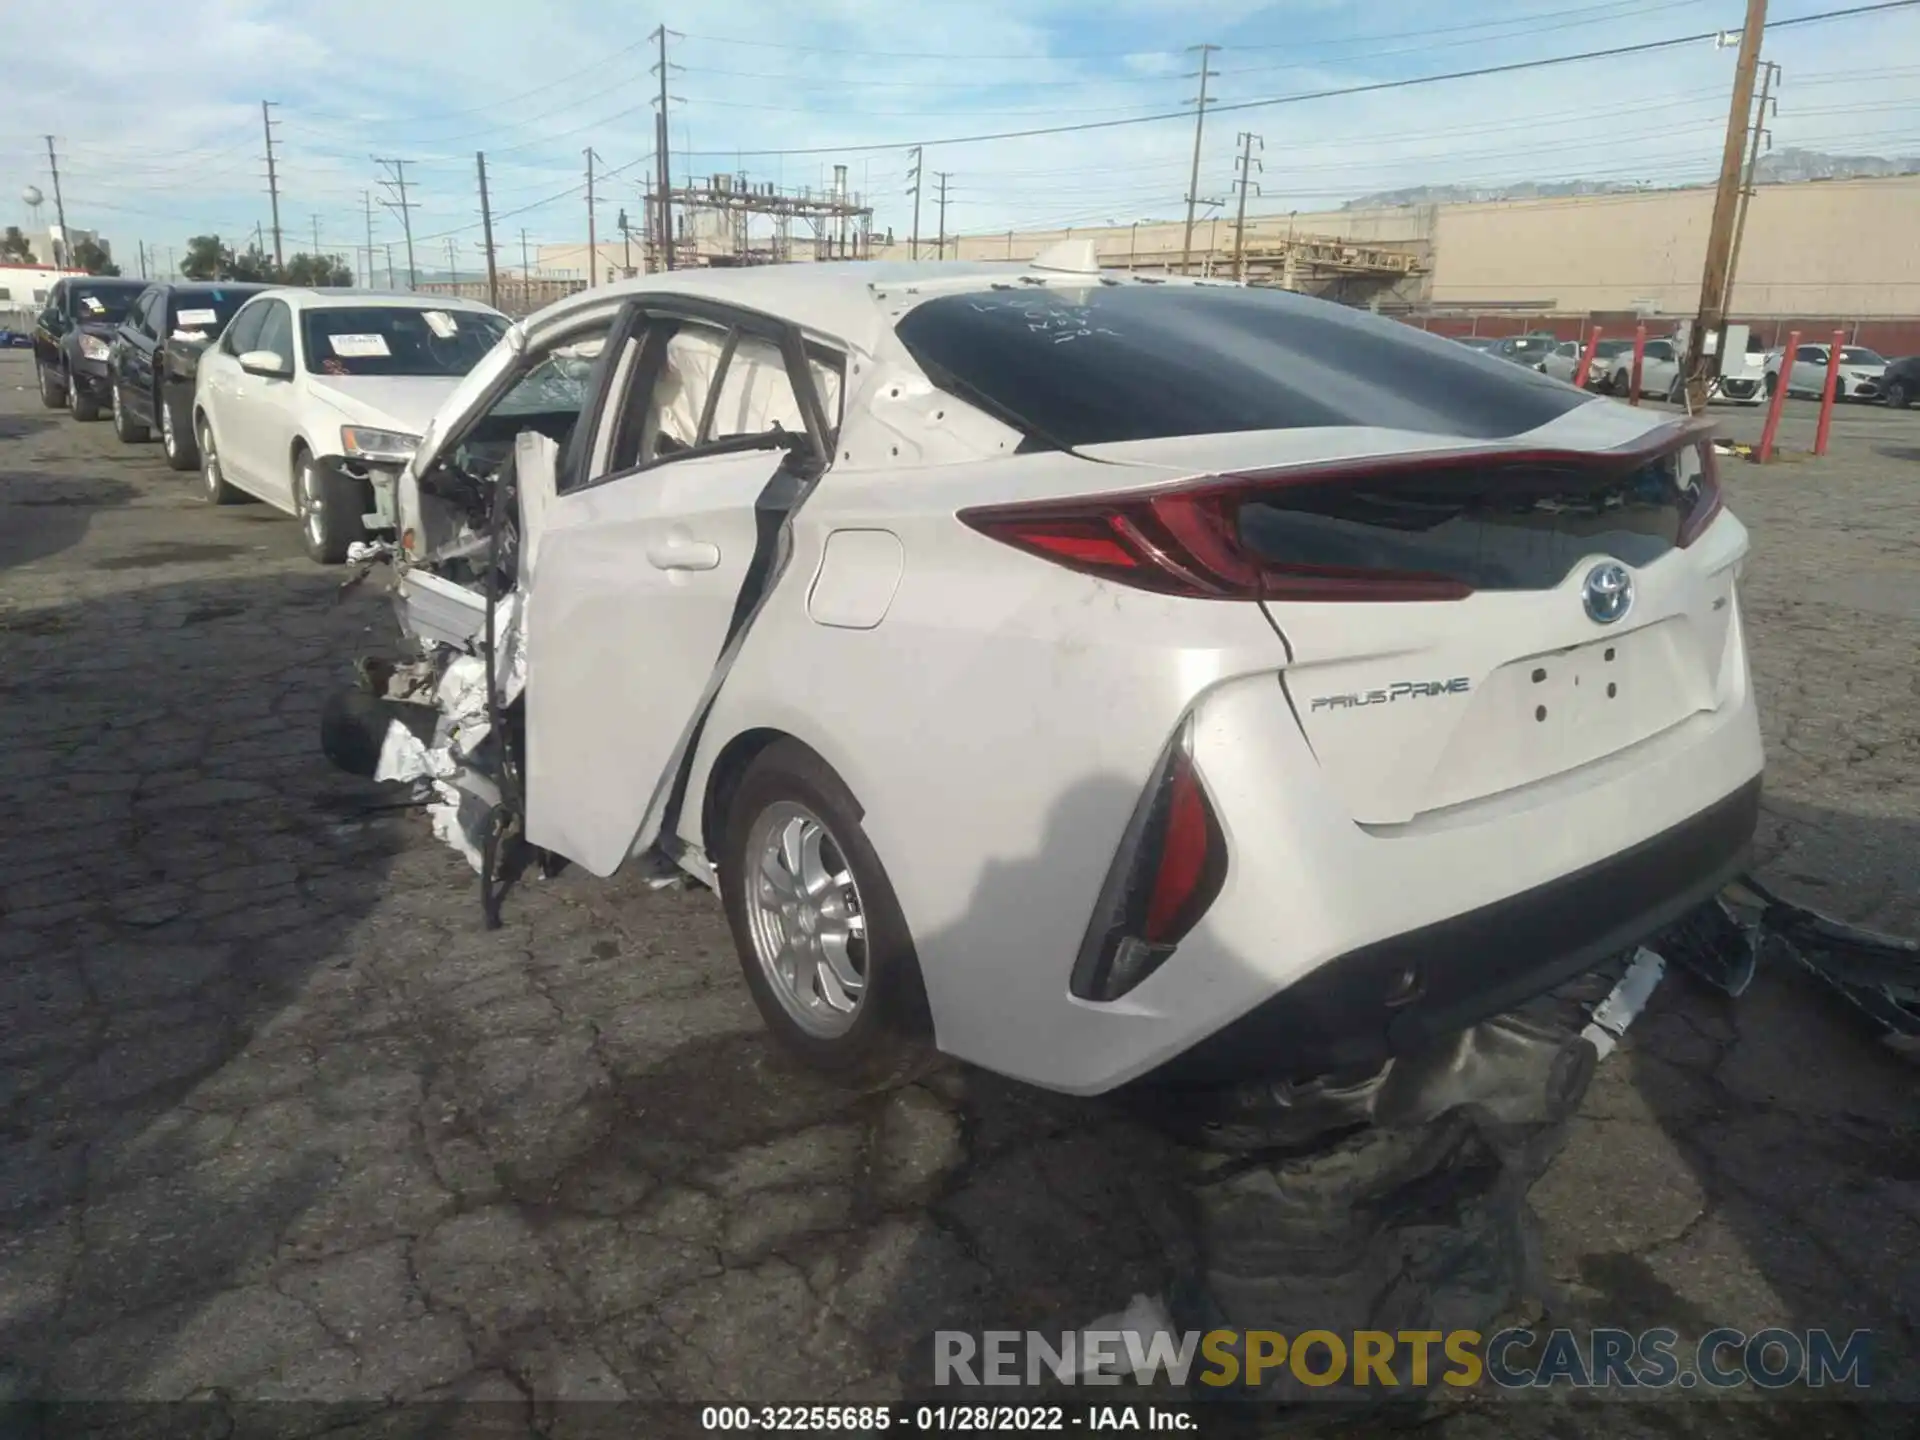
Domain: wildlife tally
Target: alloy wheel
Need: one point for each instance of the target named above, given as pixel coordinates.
(804, 915)
(311, 515)
(168, 441)
(210, 464)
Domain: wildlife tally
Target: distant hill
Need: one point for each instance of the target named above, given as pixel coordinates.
(1782, 167)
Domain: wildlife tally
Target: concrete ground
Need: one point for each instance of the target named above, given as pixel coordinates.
(281, 1120)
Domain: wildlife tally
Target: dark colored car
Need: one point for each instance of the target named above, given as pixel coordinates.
(73, 338)
(1901, 383)
(156, 354)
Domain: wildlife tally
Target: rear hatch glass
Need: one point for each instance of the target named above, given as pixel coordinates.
(1099, 364)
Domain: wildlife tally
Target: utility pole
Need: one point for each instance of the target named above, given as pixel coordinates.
(626, 246)
(1205, 74)
(316, 236)
(1246, 182)
(63, 252)
(1769, 73)
(143, 259)
(526, 265)
(171, 272)
(366, 200)
(453, 264)
(914, 175)
(389, 265)
(660, 150)
(486, 228)
(398, 184)
(943, 176)
(593, 244)
(1713, 282)
(273, 179)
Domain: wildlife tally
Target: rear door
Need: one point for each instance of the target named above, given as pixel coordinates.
(141, 334)
(651, 558)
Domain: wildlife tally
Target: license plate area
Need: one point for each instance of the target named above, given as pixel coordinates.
(1546, 714)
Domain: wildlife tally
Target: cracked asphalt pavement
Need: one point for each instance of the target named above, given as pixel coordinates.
(281, 1120)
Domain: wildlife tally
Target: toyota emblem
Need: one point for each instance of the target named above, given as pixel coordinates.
(1608, 592)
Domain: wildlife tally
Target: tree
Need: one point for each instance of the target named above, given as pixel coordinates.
(16, 247)
(88, 255)
(317, 270)
(207, 259)
(252, 265)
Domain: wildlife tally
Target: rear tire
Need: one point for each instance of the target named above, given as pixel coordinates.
(1898, 396)
(214, 487)
(329, 506)
(126, 429)
(176, 435)
(1773, 384)
(85, 407)
(883, 1040)
(53, 390)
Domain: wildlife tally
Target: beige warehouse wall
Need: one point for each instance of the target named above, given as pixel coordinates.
(1406, 225)
(1840, 247)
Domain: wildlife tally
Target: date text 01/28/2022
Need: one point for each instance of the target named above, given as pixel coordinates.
(938, 1419)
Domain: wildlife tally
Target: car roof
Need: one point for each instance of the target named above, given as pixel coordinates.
(310, 298)
(838, 298)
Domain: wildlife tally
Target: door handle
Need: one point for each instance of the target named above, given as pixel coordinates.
(683, 555)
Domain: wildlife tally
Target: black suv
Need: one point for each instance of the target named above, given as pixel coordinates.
(72, 338)
(156, 353)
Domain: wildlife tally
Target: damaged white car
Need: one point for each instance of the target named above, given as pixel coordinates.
(1100, 675)
(314, 399)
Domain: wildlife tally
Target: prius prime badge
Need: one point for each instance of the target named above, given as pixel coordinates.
(1608, 592)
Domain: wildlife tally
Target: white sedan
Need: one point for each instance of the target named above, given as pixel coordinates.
(313, 400)
(1861, 371)
(1095, 677)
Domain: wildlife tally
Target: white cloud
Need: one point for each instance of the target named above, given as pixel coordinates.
(178, 150)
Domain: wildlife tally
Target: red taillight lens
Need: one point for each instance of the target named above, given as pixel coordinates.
(1170, 867)
(1187, 543)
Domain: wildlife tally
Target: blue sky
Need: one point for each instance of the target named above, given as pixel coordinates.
(159, 125)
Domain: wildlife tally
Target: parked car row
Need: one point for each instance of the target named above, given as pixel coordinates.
(1864, 374)
(311, 400)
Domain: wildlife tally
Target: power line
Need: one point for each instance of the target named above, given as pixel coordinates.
(1193, 176)
(404, 208)
(273, 180)
(1301, 97)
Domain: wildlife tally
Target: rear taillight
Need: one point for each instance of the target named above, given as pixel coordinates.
(1170, 867)
(1187, 542)
(1388, 528)
(1699, 480)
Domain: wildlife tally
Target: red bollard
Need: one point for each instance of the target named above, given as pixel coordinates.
(1583, 377)
(1827, 394)
(1639, 357)
(1779, 398)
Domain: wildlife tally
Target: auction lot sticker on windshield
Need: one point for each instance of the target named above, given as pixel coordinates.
(188, 319)
(442, 324)
(359, 347)
(92, 305)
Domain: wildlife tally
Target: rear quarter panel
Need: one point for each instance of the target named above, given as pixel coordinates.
(997, 727)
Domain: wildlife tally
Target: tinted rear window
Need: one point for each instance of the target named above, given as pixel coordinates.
(1493, 526)
(1105, 363)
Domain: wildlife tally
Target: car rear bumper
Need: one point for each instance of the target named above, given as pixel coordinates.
(1401, 994)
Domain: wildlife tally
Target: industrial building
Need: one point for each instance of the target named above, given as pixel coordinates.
(1817, 256)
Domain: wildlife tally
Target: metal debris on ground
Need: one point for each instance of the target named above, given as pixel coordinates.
(1879, 975)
